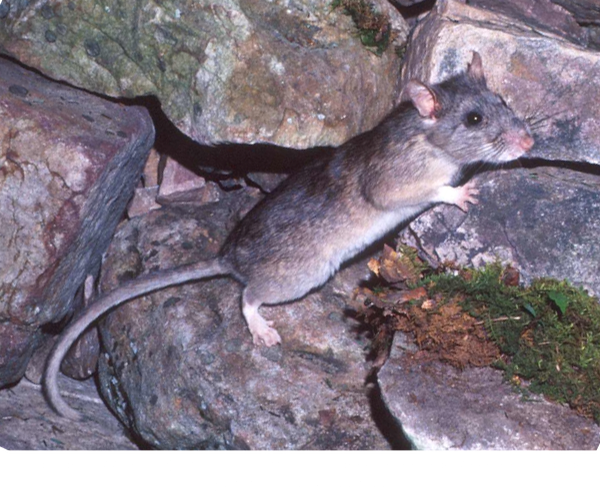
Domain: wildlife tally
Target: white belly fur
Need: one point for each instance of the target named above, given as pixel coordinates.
(379, 226)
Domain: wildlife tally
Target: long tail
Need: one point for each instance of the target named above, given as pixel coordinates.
(124, 293)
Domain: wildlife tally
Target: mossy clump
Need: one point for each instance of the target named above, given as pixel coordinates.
(374, 28)
(548, 332)
(545, 337)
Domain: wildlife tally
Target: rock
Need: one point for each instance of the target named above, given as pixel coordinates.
(440, 407)
(17, 345)
(69, 163)
(182, 372)
(28, 423)
(543, 15)
(293, 74)
(180, 185)
(587, 14)
(585, 11)
(144, 200)
(408, 3)
(544, 221)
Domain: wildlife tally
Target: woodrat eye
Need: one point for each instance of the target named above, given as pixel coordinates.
(473, 118)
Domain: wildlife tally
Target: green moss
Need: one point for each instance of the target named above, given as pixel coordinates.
(374, 28)
(548, 332)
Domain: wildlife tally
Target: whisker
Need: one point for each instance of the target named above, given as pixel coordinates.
(536, 119)
(544, 118)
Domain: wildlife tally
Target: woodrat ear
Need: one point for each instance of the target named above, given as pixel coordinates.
(423, 98)
(475, 69)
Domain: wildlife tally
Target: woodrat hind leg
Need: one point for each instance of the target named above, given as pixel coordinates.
(261, 330)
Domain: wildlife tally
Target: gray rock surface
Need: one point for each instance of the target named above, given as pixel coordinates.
(543, 15)
(27, 423)
(585, 11)
(442, 408)
(542, 220)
